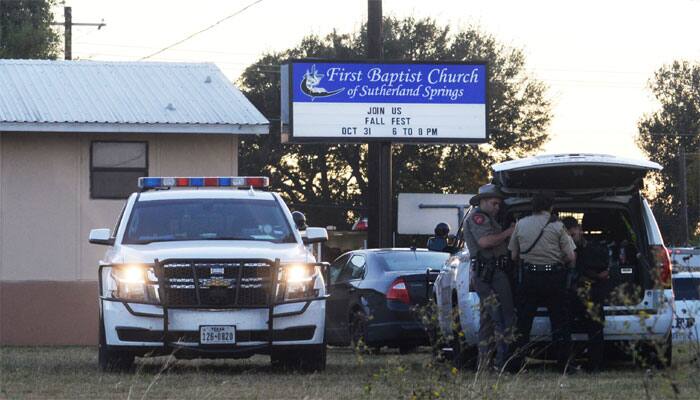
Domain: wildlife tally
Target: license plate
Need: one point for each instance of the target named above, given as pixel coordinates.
(217, 334)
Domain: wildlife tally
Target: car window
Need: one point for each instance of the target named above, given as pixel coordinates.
(337, 267)
(357, 266)
(353, 269)
(686, 288)
(411, 260)
(119, 222)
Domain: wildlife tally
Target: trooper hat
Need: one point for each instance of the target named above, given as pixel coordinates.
(486, 192)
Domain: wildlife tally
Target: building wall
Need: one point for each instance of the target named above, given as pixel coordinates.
(48, 270)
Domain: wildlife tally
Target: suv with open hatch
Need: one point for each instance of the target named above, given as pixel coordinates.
(604, 194)
(210, 267)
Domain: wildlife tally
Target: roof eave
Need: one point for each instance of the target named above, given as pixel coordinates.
(96, 127)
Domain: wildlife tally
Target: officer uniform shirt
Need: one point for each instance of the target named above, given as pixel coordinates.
(552, 246)
(477, 225)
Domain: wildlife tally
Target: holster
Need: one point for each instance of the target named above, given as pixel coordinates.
(485, 268)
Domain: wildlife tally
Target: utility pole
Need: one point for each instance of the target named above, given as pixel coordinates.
(379, 196)
(682, 177)
(68, 30)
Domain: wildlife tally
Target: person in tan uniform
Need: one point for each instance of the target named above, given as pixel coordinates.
(545, 248)
(487, 241)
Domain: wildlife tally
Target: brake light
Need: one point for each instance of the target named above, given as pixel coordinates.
(398, 291)
(662, 262)
(154, 182)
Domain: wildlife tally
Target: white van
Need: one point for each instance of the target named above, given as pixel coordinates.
(604, 194)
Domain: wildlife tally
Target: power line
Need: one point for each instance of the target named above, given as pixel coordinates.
(203, 30)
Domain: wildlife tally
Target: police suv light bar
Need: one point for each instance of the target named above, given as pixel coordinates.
(155, 182)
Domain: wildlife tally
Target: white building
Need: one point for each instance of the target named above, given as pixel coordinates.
(74, 137)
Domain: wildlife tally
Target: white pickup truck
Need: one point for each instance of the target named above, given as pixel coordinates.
(197, 267)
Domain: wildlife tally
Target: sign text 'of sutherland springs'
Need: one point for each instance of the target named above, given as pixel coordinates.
(360, 101)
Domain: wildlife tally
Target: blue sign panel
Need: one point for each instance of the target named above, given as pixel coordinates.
(364, 101)
(389, 83)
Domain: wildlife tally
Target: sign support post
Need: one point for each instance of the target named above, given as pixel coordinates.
(379, 160)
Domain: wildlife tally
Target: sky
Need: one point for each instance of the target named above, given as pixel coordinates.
(595, 56)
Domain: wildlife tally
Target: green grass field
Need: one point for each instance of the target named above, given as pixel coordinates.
(71, 372)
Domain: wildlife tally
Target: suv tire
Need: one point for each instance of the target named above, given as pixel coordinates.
(463, 355)
(111, 360)
(311, 359)
(114, 360)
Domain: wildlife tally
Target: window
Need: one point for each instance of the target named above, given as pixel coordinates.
(353, 270)
(115, 168)
(686, 288)
(337, 267)
(207, 219)
(119, 222)
(410, 260)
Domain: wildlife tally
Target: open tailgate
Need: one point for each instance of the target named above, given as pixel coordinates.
(572, 173)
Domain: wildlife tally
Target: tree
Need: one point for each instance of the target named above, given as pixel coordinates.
(328, 180)
(25, 29)
(663, 133)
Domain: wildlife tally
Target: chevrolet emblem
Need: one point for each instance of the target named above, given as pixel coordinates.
(218, 282)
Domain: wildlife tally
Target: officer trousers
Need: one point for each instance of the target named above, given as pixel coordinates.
(497, 317)
(588, 305)
(545, 289)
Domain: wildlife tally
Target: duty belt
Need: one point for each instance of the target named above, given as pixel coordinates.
(538, 268)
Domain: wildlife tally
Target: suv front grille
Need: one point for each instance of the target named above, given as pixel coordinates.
(220, 283)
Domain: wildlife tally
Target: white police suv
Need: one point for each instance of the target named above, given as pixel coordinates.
(604, 194)
(210, 267)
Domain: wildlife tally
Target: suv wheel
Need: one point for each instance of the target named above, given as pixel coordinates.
(463, 355)
(311, 359)
(111, 360)
(654, 354)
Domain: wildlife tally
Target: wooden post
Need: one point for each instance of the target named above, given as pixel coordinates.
(379, 174)
(68, 32)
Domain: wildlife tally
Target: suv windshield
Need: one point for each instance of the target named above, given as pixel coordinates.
(207, 219)
(411, 260)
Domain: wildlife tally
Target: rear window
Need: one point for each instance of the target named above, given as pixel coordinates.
(411, 260)
(686, 288)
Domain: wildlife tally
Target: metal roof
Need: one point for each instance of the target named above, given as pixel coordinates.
(143, 97)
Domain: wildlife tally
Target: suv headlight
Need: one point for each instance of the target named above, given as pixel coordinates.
(134, 282)
(298, 281)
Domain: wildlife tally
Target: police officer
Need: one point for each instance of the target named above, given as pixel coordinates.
(486, 241)
(545, 247)
(439, 241)
(590, 290)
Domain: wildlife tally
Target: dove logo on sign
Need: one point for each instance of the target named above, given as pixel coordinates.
(309, 85)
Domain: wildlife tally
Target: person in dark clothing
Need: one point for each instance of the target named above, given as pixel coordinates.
(439, 242)
(590, 290)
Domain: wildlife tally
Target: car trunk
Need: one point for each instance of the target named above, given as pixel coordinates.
(619, 242)
(602, 193)
(418, 284)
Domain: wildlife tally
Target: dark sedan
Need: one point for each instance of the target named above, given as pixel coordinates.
(374, 294)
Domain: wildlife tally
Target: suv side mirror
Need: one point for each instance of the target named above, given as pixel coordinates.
(101, 236)
(315, 235)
